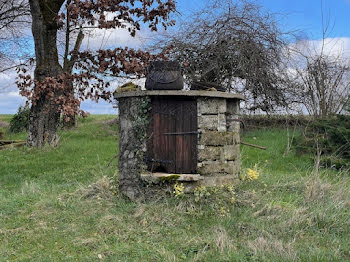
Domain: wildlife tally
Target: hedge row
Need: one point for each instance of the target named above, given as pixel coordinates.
(274, 121)
(330, 136)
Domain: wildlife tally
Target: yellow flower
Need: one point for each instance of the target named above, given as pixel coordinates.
(224, 211)
(178, 189)
(252, 174)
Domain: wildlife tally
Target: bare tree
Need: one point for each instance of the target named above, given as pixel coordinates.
(13, 12)
(323, 86)
(14, 20)
(234, 44)
(319, 74)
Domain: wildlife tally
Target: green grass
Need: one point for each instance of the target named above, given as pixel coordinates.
(60, 205)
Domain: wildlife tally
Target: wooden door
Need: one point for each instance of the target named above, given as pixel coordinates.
(172, 135)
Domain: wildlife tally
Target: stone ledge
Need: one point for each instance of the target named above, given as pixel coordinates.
(179, 93)
(163, 177)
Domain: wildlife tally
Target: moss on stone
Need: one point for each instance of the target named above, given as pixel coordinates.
(127, 87)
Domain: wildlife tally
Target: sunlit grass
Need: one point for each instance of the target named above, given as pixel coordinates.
(60, 205)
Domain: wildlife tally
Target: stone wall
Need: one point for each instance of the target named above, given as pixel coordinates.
(218, 144)
(133, 122)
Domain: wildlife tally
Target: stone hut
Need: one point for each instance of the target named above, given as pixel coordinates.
(176, 135)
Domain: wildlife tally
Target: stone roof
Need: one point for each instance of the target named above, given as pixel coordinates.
(193, 93)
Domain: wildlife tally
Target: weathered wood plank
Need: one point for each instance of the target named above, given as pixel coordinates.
(13, 145)
(174, 153)
(5, 142)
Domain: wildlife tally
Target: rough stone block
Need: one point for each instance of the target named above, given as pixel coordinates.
(200, 147)
(189, 187)
(231, 152)
(131, 155)
(233, 128)
(232, 107)
(210, 153)
(221, 123)
(208, 122)
(211, 105)
(215, 138)
(125, 123)
(219, 180)
(236, 138)
(232, 123)
(209, 168)
(126, 153)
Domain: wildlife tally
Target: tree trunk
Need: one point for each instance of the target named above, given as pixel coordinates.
(43, 124)
(44, 115)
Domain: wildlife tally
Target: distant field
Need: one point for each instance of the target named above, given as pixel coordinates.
(60, 204)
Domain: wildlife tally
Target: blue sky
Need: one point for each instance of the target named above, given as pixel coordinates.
(304, 15)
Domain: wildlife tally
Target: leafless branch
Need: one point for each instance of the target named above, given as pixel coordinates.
(14, 20)
(236, 45)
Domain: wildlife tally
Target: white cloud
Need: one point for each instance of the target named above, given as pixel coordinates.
(13, 94)
(337, 47)
(10, 99)
(7, 81)
(112, 38)
(9, 102)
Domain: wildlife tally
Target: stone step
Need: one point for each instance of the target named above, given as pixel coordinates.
(163, 177)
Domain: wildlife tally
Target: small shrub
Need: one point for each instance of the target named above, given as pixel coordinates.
(332, 138)
(19, 121)
(334, 162)
(219, 199)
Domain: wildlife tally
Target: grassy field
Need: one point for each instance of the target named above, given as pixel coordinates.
(61, 205)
